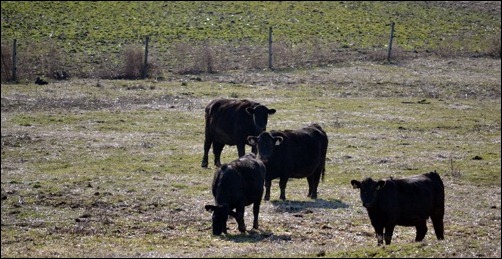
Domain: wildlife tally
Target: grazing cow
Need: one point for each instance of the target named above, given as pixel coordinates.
(292, 154)
(236, 185)
(40, 81)
(230, 122)
(60, 76)
(404, 202)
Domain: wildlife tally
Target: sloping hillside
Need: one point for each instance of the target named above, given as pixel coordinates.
(90, 39)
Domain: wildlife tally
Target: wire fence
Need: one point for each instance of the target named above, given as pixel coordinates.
(151, 57)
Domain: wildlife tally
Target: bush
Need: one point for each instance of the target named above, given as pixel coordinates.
(6, 64)
(133, 59)
(494, 46)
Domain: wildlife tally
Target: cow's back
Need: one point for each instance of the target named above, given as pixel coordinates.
(227, 120)
(226, 183)
(252, 172)
(238, 181)
(411, 199)
(300, 153)
(437, 189)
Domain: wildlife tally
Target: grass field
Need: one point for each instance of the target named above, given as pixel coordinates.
(111, 168)
(92, 39)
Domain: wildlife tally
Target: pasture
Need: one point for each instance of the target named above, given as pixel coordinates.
(106, 39)
(111, 168)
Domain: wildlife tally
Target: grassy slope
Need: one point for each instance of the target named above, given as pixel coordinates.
(94, 34)
(111, 168)
(419, 25)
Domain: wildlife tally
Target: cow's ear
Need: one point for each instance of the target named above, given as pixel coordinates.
(278, 140)
(210, 207)
(252, 140)
(355, 184)
(250, 110)
(271, 111)
(380, 184)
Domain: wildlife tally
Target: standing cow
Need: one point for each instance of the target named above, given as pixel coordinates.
(404, 202)
(292, 154)
(230, 122)
(236, 185)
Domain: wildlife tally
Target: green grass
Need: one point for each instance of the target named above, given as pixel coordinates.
(419, 25)
(88, 39)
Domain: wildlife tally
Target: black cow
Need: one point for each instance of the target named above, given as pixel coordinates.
(236, 185)
(40, 81)
(293, 154)
(404, 202)
(230, 122)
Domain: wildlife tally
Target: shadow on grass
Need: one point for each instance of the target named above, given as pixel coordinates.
(297, 206)
(255, 235)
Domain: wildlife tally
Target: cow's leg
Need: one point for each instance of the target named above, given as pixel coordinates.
(437, 222)
(239, 213)
(282, 185)
(311, 193)
(268, 183)
(389, 230)
(314, 181)
(217, 149)
(225, 227)
(310, 180)
(256, 211)
(254, 149)
(241, 150)
(313, 184)
(207, 145)
(421, 230)
(379, 235)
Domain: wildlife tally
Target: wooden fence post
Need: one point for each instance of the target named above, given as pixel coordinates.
(390, 41)
(270, 48)
(145, 64)
(14, 57)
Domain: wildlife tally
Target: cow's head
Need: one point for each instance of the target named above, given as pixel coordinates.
(368, 190)
(220, 216)
(265, 142)
(260, 116)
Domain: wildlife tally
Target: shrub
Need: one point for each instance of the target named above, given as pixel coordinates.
(6, 63)
(133, 59)
(493, 49)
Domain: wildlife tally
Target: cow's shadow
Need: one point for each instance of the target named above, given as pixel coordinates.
(298, 208)
(255, 235)
(292, 206)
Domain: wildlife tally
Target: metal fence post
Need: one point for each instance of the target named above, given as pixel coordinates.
(390, 41)
(14, 57)
(145, 64)
(270, 48)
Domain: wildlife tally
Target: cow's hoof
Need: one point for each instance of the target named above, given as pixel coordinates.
(204, 164)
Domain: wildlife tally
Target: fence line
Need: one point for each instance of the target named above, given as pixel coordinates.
(390, 41)
(182, 58)
(14, 61)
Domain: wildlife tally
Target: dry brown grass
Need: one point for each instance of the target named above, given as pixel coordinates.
(133, 61)
(114, 170)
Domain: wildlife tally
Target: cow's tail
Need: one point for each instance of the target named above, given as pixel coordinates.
(436, 179)
(435, 175)
(322, 173)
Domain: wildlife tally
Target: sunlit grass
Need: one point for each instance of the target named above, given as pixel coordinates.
(121, 175)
